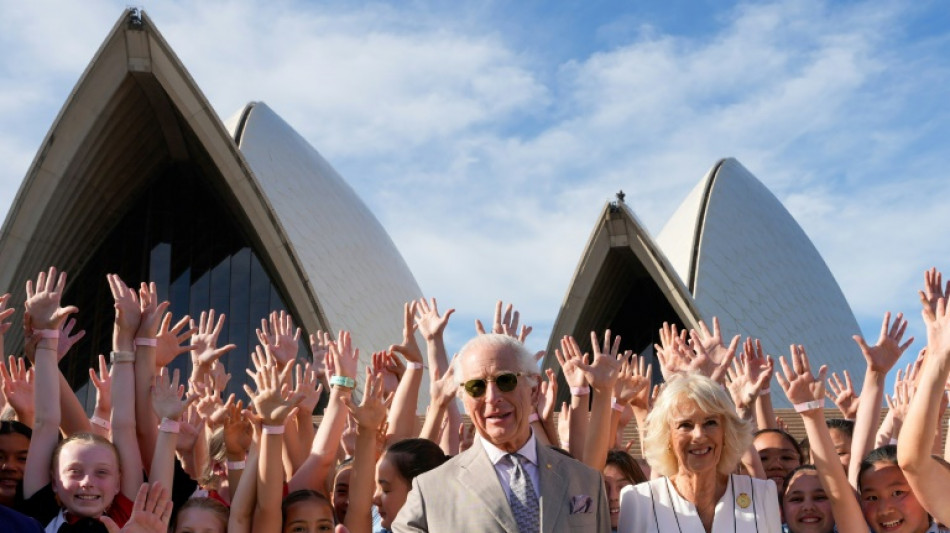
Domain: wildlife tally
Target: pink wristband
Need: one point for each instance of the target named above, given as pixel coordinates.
(532, 418)
(101, 422)
(273, 430)
(47, 333)
(808, 406)
(145, 341)
(580, 391)
(169, 426)
(415, 366)
(616, 406)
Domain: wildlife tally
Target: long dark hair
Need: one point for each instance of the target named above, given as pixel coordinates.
(412, 457)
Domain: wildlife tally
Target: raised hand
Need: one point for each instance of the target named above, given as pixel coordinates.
(5, 314)
(409, 347)
(629, 384)
(712, 364)
(345, 357)
(934, 289)
(668, 351)
(151, 310)
(371, 412)
(308, 387)
(506, 323)
(430, 324)
(238, 430)
(603, 371)
(712, 342)
(643, 375)
(151, 512)
(843, 395)
(17, 385)
(743, 387)
(466, 436)
(43, 302)
(103, 384)
(67, 339)
(899, 403)
(167, 399)
(548, 397)
(172, 341)
(204, 342)
(443, 389)
(883, 355)
(570, 362)
(190, 425)
(797, 380)
(128, 313)
(759, 364)
(937, 320)
(272, 400)
(320, 348)
(281, 339)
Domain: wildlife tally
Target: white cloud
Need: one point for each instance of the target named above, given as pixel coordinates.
(488, 170)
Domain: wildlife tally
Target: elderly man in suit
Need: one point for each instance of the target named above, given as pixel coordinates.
(505, 482)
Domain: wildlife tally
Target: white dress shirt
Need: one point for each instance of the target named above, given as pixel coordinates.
(503, 467)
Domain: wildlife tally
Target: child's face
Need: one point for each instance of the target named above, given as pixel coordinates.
(87, 478)
(13, 450)
(888, 502)
(197, 520)
(391, 491)
(308, 517)
(341, 493)
(807, 507)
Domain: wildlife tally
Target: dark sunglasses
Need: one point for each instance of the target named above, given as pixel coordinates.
(506, 383)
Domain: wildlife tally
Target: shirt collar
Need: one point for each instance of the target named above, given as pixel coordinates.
(529, 451)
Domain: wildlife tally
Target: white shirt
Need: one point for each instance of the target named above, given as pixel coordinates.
(503, 467)
(748, 505)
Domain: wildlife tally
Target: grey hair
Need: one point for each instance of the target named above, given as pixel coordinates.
(710, 397)
(524, 360)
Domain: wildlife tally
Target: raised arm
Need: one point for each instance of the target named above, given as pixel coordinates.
(808, 396)
(927, 476)
(169, 407)
(205, 350)
(273, 407)
(570, 361)
(369, 415)
(47, 317)
(314, 471)
(880, 359)
(402, 415)
(442, 391)
(601, 374)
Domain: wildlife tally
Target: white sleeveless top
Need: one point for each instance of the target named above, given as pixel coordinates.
(748, 505)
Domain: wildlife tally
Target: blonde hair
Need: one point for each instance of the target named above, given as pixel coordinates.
(710, 397)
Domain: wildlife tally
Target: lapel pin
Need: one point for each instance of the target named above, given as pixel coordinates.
(743, 500)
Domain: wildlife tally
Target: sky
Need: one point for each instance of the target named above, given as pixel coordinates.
(487, 136)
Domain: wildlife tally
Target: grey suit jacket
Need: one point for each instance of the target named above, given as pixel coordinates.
(465, 494)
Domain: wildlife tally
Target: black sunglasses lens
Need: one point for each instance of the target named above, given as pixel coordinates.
(475, 387)
(507, 382)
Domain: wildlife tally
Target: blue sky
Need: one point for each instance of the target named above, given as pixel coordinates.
(487, 137)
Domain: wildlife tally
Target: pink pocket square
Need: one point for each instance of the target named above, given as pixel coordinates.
(581, 503)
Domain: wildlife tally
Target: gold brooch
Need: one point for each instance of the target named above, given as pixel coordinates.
(743, 500)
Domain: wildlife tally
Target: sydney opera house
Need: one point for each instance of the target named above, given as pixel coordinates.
(140, 177)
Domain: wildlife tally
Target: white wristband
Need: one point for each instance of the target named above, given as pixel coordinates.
(273, 430)
(145, 341)
(616, 406)
(808, 406)
(101, 422)
(533, 417)
(580, 391)
(415, 366)
(765, 392)
(236, 465)
(169, 426)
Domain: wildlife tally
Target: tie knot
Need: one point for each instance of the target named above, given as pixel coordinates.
(516, 459)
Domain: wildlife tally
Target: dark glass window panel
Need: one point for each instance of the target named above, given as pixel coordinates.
(180, 234)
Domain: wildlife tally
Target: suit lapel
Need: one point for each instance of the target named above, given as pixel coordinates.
(477, 474)
(553, 488)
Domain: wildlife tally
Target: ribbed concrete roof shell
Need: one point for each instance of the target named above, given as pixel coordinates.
(746, 260)
(134, 111)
